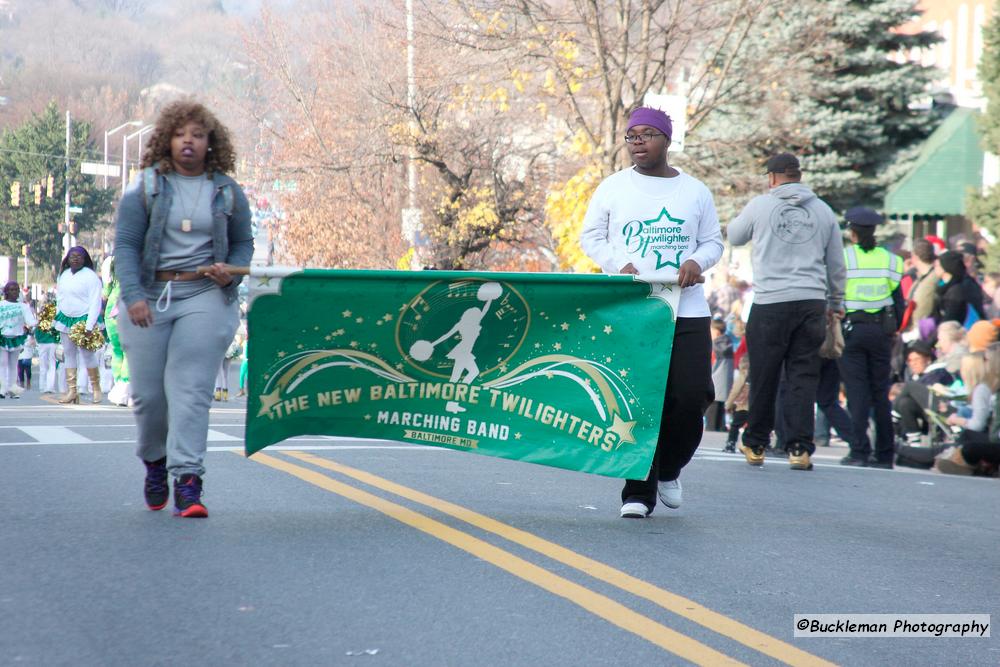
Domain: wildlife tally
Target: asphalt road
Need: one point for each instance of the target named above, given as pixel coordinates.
(336, 552)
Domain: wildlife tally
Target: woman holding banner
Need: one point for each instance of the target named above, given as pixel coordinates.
(643, 198)
(183, 212)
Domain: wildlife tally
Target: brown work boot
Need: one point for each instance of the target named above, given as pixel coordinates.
(755, 455)
(798, 459)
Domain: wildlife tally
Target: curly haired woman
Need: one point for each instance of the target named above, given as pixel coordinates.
(182, 213)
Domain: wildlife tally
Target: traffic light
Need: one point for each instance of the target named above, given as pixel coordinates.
(15, 193)
(37, 187)
(50, 186)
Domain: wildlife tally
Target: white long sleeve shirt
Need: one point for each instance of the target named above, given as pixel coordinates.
(14, 316)
(656, 224)
(79, 294)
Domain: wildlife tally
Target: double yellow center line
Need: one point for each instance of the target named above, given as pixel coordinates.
(599, 605)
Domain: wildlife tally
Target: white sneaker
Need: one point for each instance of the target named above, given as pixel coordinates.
(670, 493)
(634, 511)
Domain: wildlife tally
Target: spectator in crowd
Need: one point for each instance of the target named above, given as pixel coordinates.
(991, 294)
(957, 297)
(738, 403)
(722, 375)
(951, 345)
(978, 442)
(981, 335)
(920, 299)
(911, 399)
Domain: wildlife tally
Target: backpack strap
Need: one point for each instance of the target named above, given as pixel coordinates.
(150, 187)
(227, 199)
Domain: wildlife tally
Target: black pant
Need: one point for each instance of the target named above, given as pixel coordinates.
(739, 421)
(787, 333)
(865, 368)
(910, 406)
(715, 417)
(689, 393)
(977, 447)
(828, 401)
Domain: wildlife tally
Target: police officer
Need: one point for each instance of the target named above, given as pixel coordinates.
(873, 304)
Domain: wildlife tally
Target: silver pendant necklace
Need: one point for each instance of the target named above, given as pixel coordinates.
(186, 211)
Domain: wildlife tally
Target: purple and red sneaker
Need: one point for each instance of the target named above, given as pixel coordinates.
(156, 488)
(187, 497)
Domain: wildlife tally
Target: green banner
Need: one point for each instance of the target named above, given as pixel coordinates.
(565, 370)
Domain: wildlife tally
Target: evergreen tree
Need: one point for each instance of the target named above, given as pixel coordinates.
(30, 154)
(984, 209)
(857, 115)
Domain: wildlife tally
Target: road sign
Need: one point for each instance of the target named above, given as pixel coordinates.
(100, 169)
(76, 209)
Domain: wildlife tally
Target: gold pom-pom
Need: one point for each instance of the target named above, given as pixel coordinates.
(47, 317)
(91, 341)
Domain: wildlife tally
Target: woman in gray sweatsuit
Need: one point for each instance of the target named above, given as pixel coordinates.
(181, 213)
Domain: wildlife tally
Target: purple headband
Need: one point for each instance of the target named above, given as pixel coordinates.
(652, 118)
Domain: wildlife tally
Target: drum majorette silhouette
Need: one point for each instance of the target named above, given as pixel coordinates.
(468, 328)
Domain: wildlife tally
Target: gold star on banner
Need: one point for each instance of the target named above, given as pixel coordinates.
(359, 320)
(328, 337)
(622, 429)
(607, 360)
(517, 436)
(268, 401)
(623, 373)
(346, 313)
(264, 281)
(281, 355)
(399, 366)
(537, 345)
(608, 329)
(315, 328)
(503, 368)
(300, 346)
(338, 332)
(583, 316)
(548, 375)
(378, 323)
(557, 347)
(387, 317)
(564, 326)
(593, 338)
(354, 343)
(368, 418)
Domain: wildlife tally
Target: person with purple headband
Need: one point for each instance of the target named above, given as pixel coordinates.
(641, 199)
(78, 299)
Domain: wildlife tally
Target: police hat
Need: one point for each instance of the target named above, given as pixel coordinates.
(862, 216)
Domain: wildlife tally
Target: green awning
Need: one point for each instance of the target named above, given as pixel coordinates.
(950, 164)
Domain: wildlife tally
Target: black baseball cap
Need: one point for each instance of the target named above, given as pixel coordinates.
(782, 163)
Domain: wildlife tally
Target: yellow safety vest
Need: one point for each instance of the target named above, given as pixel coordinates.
(871, 278)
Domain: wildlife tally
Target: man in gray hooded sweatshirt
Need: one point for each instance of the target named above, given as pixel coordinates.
(798, 282)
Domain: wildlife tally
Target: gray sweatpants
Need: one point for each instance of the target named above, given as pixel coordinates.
(173, 365)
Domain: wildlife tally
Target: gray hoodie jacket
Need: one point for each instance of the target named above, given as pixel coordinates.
(798, 252)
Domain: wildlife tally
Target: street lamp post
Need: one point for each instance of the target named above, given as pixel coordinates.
(125, 140)
(108, 133)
